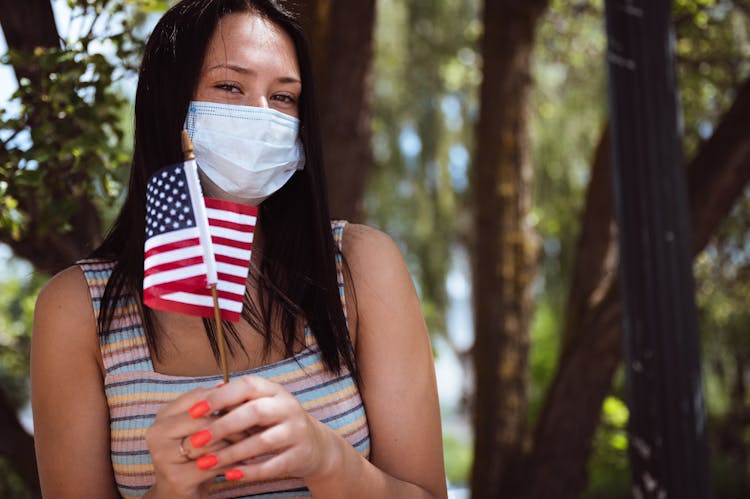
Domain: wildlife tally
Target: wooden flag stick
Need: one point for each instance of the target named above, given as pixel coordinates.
(220, 335)
(187, 150)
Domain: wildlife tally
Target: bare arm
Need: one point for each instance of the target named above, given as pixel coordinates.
(71, 422)
(399, 388)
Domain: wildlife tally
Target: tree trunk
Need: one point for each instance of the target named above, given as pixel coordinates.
(28, 27)
(592, 338)
(505, 248)
(17, 446)
(341, 34)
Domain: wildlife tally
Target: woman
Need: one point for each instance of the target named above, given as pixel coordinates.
(332, 392)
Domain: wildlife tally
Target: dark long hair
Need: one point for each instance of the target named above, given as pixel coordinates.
(297, 275)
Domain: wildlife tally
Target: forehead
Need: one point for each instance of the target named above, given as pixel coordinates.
(248, 40)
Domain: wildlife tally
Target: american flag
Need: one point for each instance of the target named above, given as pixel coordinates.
(192, 241)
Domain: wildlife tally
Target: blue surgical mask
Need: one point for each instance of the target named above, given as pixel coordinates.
(247, 152)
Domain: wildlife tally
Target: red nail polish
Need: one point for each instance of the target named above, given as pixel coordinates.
(234, 474)
(199, 409)
(200, 438)
(207, 462)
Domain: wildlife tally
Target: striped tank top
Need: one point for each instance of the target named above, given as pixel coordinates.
(135, 393)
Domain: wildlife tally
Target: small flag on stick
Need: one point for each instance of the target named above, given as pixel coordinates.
(197, 251)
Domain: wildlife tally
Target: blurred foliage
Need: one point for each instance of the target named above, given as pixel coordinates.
(609, 473)
(17, 295)
(568, 114)
(713, 55)
(545, 329)
(458, 459)
(723, 292)
(425, 105)
(62, 132)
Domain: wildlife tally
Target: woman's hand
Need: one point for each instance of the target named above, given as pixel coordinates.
(181, 472)
(283, 440)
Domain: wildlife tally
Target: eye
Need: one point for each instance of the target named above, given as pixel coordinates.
(228, 87)
(286, 99)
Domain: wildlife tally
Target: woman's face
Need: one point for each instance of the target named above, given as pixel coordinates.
(250, 62)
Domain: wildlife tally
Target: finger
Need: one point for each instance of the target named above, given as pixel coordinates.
(192, 448)
(189, 402)
(183, 416)
(273, 440)
(168, 438)
(250, 416)
(238, 424)
(205, 440)
(236, 437)
(240, 390)
(261, 469)
(190, 475)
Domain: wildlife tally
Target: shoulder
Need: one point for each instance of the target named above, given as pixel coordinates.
(67, 288)
(63, 316)
(371, 252)
(376, 266)
(379, 279)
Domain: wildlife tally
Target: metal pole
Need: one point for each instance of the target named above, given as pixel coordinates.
(668, 445)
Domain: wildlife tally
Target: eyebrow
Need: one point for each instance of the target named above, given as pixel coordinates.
(243, 70)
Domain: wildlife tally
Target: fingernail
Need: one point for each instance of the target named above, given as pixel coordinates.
(199, 409)
(220, 384)
(234, 474)
(207, 462)
(200, 438)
